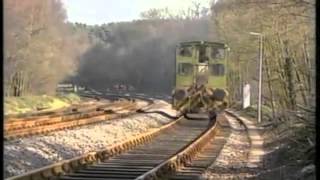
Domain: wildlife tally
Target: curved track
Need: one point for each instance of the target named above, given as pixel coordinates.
(182, 149)
(79, 162)
(40, 124)
(203, 162)
(176, 145)
(206, 157)
(132, 164)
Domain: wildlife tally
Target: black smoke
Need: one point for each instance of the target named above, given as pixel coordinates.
(140, 54)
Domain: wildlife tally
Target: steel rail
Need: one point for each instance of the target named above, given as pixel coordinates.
(68, 121)
(207, 156)
(45, 120)
(181, 158)
(135, 162)
(62, 120)
(203, 161)
(48, 112)
(68, 166)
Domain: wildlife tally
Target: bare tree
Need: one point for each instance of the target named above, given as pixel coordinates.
(40, 50)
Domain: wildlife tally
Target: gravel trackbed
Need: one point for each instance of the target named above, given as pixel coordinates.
(25, 154)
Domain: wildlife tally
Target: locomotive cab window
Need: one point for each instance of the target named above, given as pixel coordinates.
(185, 69)
(217, 69)
(217, 53)
(185, 51)
(203, 58)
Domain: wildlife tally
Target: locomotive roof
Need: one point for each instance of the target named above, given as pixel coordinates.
(202, 42)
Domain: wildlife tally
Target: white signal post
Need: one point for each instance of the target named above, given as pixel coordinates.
(260, 73)
(246, 96)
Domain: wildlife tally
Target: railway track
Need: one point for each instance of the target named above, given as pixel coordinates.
(182, 149)
(71, 165)
(206, 157)
(176, 145)
(30, 115)
(204, 161)
(33, 125)
(141, 161)
(57, 116)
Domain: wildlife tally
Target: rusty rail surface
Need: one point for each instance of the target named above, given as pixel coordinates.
(175, 169)
(183, 151)
(49, 112)
(20, 123)
(203, 161)
(206, 156)
(176, 145)
(85, 106)
(184, 156)
(164, 154)
(22, 128)
(69, 166)
(40, 123)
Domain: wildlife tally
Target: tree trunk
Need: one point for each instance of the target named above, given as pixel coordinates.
(282, 73)
(269, 85)
(301, 80)
(290, 85)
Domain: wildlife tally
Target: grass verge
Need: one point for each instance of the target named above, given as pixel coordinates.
(17, 105)
(295, 140)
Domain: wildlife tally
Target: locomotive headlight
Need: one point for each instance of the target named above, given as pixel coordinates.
(180, 94)
(219, 94)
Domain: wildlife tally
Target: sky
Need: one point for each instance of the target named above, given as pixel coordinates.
(105, 11)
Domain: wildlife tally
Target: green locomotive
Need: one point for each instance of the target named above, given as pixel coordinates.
(200, 81)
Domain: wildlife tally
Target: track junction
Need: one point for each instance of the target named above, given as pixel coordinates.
(185, 148)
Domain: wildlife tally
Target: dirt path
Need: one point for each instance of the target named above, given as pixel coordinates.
(241, 156)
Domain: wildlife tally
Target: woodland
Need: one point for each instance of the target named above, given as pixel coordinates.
(42, 49)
